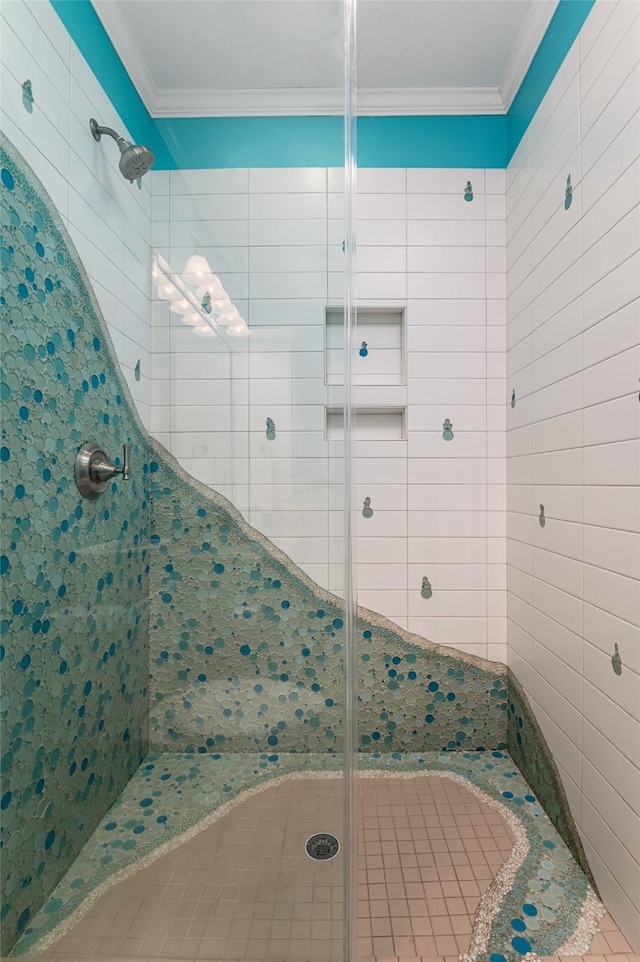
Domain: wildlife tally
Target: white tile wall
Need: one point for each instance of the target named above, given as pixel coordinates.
(108, 219)
(573, 360)
(275, 236)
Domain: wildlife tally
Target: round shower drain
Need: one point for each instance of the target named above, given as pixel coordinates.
(322, 846)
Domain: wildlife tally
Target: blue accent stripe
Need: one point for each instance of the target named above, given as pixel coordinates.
(318, 141)
(565, 26)
(440, 141)
(433, 141)
(253, 141)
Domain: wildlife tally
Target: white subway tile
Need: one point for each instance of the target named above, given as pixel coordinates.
(273, 180)
(208, 233)
(445, 233)
(284, 286)
(617, 551)
(199, 207)
(287, 206)
(467, 634)
(446, 312)
(613, 292)
(446, 259)
(447, 180)
(615, 160)
(214, 181)
(392, 604)
(611, 121)
(446, 603)
(612, 764)
(563, 747)
(597, 59)
(612, 507)
(282, 232)
(426, 285)
(380, 286)
(620, 689)
(447, 206)
(376, 233)
(617, 245)
(388, 259)
(613, 812)
(612, 592)
(564, 678)
(617, 420)
(382, 180)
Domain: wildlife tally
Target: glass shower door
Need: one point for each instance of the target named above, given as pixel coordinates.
(251, 297)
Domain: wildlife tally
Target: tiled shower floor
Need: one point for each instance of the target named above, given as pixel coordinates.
(244, 889)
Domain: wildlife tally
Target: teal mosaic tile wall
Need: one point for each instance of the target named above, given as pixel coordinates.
(247, 652)
(73, 574)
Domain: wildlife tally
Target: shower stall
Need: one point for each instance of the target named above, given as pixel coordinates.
(320, 466)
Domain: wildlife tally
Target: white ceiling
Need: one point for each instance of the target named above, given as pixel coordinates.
(261, 57)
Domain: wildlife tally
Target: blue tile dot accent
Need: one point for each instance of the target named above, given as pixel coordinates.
(522, 946)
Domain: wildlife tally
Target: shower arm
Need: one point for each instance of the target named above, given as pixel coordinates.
(98, 131)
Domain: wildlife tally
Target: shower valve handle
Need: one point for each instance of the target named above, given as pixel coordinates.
(101, 470)
(126, 461)
(93, 469)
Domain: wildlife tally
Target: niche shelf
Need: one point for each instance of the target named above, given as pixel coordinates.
(383, 331)
(369, 424)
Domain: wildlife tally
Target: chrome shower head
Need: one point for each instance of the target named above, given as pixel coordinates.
(135, 160)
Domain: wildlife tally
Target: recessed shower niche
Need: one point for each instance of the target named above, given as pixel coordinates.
(378, 346)
(368, 424)
(378, 362)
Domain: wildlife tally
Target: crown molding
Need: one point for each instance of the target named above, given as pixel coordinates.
(117, 29)
(327, 101)
(422, 101)
(283, 102)
(527, 42)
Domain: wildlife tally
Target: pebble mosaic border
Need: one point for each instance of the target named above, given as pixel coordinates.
(539, 901)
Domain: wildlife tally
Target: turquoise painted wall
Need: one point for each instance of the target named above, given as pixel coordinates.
(74, 574)
(446, 141)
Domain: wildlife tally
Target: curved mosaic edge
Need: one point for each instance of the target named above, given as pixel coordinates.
(245, 619)
(530, 751)
(365, 615)
(498, 924)
(592, 911)
(36, 184)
